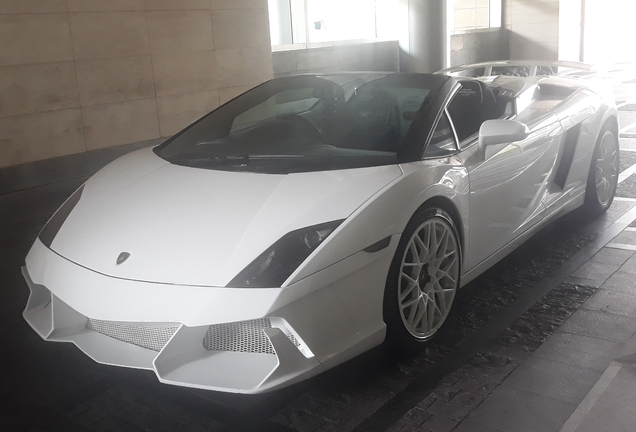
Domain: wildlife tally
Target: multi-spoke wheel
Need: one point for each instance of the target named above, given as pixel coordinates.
(423, 279)
(603, 175)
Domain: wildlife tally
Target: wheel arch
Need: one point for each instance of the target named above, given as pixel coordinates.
(449, 207)
(398, 335)
(611, 120)
(591, 206)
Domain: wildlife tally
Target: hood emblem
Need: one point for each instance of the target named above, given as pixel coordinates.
(122, 257)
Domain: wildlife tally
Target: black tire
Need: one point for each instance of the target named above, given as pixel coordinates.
(602, 179)
(421, 287)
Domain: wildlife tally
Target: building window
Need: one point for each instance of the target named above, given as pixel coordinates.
(476, 14)
(304, 23)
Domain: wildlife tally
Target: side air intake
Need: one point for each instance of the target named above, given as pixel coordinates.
(569, 147)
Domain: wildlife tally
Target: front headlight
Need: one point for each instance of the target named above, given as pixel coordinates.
(271, 268)
(54, 224)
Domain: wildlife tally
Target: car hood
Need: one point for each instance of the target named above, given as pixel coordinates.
(191, 226)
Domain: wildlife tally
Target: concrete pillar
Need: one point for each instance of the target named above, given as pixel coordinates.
(424, 38)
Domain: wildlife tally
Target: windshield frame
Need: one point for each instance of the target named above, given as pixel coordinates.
(221, 120)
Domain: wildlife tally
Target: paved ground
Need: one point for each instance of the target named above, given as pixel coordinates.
(542, 342)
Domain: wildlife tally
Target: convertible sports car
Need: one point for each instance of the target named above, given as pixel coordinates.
(310, 218)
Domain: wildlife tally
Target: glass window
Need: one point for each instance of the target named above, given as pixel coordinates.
(443, 139)
(306, 123)
(306, 22)
(472, 105)
(337, 20)
(466, 110)
(286, 102)
(476, 14)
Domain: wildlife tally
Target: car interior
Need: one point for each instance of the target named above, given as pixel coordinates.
(472, 105)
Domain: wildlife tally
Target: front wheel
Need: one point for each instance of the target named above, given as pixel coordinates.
(603, 176)
(423, 279)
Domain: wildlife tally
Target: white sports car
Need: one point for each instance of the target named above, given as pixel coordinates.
(310, 218)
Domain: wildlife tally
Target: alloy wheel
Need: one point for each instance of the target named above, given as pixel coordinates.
(606, 168)
(429, 276)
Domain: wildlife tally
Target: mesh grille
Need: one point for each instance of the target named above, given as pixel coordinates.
(152, 338)
(243, 336)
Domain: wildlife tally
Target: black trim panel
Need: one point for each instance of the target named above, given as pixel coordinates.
(378, 246)
(569, 147)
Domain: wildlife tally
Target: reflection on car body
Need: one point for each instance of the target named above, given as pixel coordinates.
(313, 217)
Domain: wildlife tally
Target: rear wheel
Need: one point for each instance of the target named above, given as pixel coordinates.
(423, 279)
(603, 176)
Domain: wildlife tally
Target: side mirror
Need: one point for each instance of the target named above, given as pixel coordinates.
(494, 132)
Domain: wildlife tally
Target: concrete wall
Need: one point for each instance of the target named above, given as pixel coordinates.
(479, 46)
(534, 28)
(79, 75)
(378, 56)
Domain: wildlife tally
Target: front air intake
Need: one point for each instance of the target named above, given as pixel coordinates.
(152, 337)
(242, 336)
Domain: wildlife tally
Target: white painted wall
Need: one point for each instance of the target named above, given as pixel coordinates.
(609, 33)
(570, 20)
(534, 28)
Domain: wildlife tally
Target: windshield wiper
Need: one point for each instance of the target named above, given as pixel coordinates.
(274, 156)
(201, 158)
(212, 142)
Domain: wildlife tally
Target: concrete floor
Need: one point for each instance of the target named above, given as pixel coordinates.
(542, 342)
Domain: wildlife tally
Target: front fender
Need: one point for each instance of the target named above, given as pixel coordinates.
(387, 213)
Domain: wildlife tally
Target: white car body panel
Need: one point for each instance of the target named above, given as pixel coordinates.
(442, 178)
(533, 66)
(336, 307)
(171, 223)
(506, 199)
(190, 231)
(325, 309)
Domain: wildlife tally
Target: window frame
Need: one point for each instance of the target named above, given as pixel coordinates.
(444, 113)
(300, 30)
(495, 18)
(470, 140)
(467, 142)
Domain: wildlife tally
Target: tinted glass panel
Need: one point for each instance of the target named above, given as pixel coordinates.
(473, 104)
(443, 140)
(308, 123)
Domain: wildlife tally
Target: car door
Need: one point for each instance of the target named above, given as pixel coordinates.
(507, 186)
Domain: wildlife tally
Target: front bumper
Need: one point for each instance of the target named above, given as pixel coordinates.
(233, 340)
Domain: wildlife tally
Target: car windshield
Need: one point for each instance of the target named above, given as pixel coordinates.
(309, 123)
